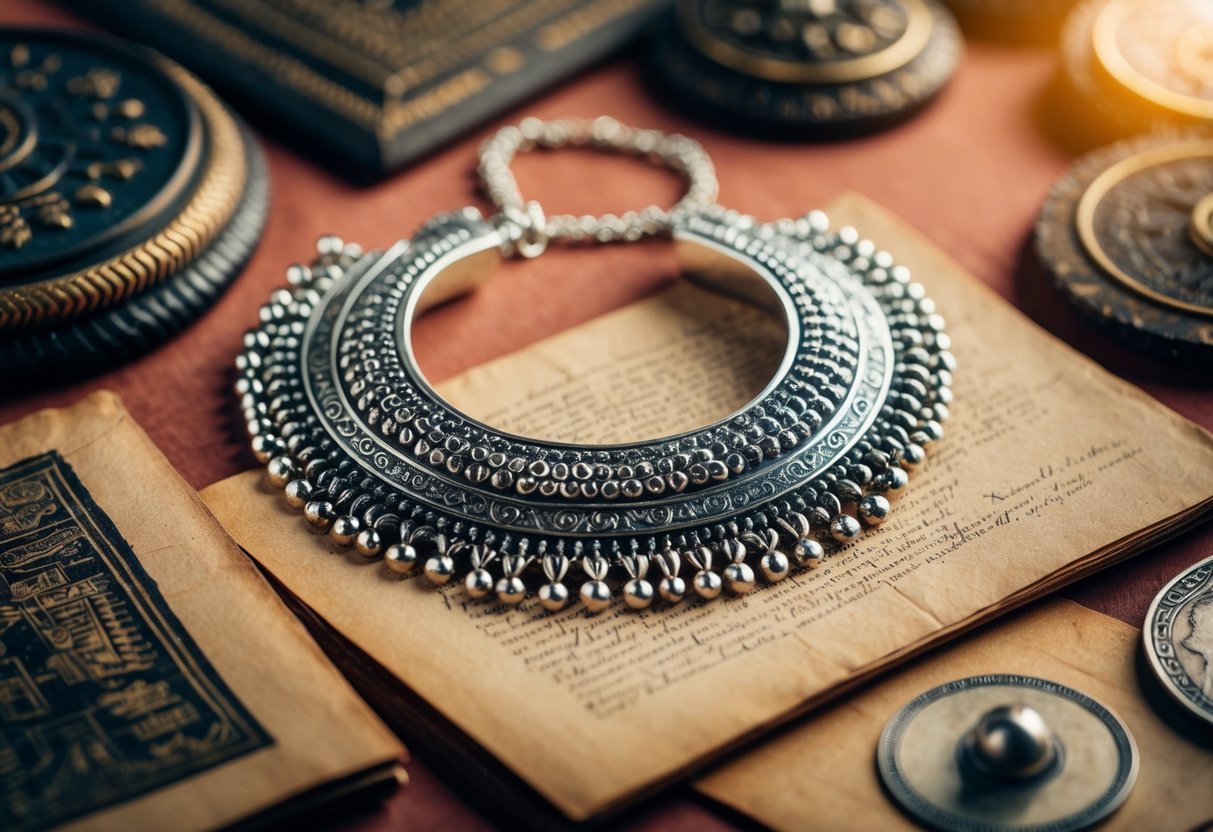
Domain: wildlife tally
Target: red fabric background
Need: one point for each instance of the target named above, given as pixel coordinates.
(970, 173)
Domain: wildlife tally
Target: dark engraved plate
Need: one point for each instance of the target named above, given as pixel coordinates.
(103, 694)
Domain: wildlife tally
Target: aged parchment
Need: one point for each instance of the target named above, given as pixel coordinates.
(233, 660)
(783, 782)
(1051, 468)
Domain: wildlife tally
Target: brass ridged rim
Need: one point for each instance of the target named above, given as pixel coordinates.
(169, 250)
(1104, 183)
(909, 46)
(1113, 61)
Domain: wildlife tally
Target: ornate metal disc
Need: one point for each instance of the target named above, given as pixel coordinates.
(348, 424)
(934, 769)
(1179, 639)
(1135, 66)
(117, 169)
(1126, 234)
(833, 67)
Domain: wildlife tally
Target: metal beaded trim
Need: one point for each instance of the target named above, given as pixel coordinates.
(340, 420)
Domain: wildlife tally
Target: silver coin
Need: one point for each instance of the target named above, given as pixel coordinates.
(926, 762)
(1178, 637)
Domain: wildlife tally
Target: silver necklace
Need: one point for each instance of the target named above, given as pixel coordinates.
(347, 424)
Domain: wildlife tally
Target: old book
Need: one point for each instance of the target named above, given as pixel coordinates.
(1051, 469)
(374, 85)
(149, 677)
(1056, 640)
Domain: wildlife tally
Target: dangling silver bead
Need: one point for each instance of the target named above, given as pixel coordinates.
(511, 590)
(638, 593)
(439, 569)
(874, 509)
(298, 493)
(707, 585)
(280, 470)
(369, 543)
(844, 528)
(345, 529)
(808, 553)
(672, 589)
(264, 447)
(553, 596)
(739, 577)
(913, 456)
(400, 558)
(320, 514)
(775, 566)
(478, 583)
(595, 596)
(891, 481)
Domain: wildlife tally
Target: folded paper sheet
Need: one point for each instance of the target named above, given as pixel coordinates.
(149, 676)
(1051, 468)
(782, 782)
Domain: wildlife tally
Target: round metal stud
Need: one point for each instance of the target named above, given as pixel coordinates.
(595, 596)
(844, 528)
(707, 585)
(1007, 753)
(553, 596)
(344, 529)
(739, 578)
(401, 558)
(439, 569)
(874, 509)
(638, 594)
(369, 543)
(511, 590)
(320, 514)
(672, 589)
(478, 583)
(298, 493)
(280, 471)
(775, 566)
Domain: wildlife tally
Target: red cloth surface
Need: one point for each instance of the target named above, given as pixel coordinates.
(970, 173)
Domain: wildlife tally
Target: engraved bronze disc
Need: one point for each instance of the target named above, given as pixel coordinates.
(816, 68)
(117, 169)
(1134, 66)
(1126, 234)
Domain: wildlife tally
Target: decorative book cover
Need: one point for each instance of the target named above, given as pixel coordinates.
(372, 86)
(148, 676)
(1050, 469)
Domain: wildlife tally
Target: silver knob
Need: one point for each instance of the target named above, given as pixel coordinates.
(1011, 742)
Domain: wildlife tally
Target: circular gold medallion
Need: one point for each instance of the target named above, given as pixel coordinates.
(117, 169)
(1127, 234)
(816, 66)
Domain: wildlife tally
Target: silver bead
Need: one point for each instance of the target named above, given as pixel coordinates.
(891, 481)
(808, 553)
(595, 596)
(775, 566)
(264, 447)
(672, 589)
(912, 456)
(439, 569)
(638, 593)
(319, 513)
(873, 509)
(553, 596)
(345, 529)
(298, 493)
(511, 590)
(369, 543)
(478, 583)
(707, 585)
(400, 558)
(844, 528)
(739, 577)
(280, 471)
